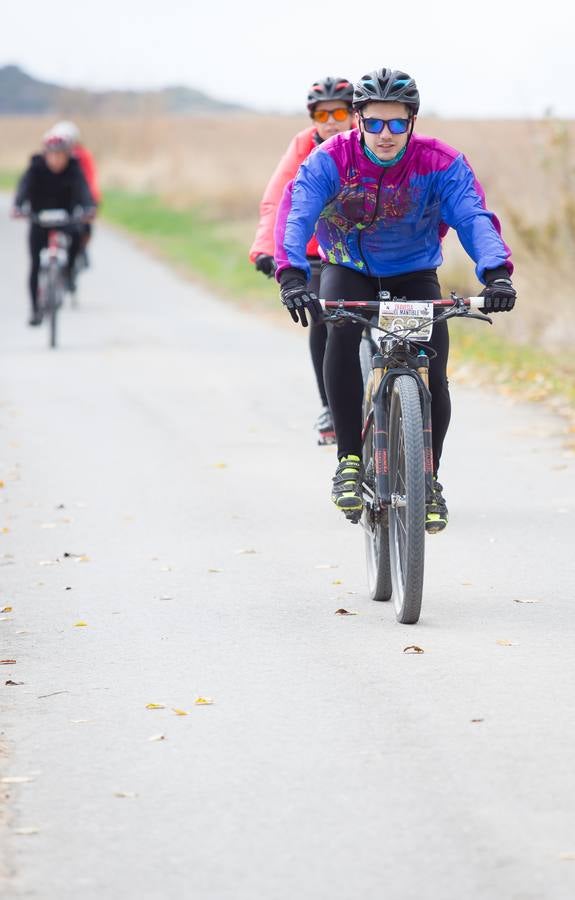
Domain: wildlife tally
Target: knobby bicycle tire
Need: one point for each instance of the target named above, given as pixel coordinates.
(376, 531)
(54, 300)
(407, 478)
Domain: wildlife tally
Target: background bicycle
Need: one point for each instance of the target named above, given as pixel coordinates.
(56, 276)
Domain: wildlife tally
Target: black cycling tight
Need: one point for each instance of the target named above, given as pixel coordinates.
(342, 371)
(317, 333)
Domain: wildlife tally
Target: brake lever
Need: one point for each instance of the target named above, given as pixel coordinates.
(481, 317)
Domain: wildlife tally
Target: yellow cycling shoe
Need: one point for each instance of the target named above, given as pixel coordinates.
(436, 515)
(347, 493)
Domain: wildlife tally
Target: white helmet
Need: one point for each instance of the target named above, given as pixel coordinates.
(67, 131)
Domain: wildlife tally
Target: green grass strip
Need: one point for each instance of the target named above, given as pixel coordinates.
(190, 239)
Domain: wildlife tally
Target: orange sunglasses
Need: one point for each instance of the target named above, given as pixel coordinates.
(322, 115)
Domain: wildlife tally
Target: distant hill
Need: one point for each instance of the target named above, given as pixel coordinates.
(21, 94)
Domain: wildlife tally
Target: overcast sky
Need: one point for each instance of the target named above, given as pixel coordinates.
(486, 58)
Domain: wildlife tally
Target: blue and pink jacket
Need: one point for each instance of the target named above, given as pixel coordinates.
(386, 221)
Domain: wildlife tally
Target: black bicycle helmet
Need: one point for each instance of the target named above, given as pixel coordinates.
(387, 84)
(329, 89)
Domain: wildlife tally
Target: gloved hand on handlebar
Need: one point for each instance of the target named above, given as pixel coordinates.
(296, 297)
(498, 292)
(265, 264)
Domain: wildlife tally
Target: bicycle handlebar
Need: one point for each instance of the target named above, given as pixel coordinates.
(372, 306)
(453, 306)
(57, 218)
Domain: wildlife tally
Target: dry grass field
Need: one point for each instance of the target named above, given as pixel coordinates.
(222, 164)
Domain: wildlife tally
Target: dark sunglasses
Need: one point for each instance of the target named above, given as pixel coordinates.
(376, 126)
(322, 115)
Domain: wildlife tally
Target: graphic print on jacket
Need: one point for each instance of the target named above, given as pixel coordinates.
(386, 221)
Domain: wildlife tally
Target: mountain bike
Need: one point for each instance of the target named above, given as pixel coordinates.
(396, 438)
(53, 278)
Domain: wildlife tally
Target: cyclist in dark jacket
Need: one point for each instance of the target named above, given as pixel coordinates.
(53, 180)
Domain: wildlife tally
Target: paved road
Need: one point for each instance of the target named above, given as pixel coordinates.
(168, 445)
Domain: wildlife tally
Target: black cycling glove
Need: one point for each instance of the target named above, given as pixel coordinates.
(265, 263)
(498, 293)
(296, 297)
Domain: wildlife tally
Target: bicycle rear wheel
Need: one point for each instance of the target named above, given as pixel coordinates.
(407, 510)
(375, 521)
(366, 351)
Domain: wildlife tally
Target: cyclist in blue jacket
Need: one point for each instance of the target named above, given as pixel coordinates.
(383, 197)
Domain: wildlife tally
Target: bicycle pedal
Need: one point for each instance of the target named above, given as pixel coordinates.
(354, 516)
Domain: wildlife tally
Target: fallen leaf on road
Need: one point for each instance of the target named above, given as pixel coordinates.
(67, 588)
(80, 624)
(13, 682)
(220, 465)
(214, 571)
(129, 795)
(16, 779)
(527, 600)
(344, 612)
(7, 662)
(179, 712)
(477, 720)
(5, 530)
(6, 609)
(244, 552)
(155, 706)
(157, 737)
(30, 830)
(505, 643)
(2, 484)
(203, 701)
(337, 581)
(413, 648)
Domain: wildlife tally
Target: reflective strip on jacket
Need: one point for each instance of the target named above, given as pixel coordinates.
(299, 149)
(386, 221)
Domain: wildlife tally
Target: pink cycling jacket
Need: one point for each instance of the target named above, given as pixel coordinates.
(299, 149)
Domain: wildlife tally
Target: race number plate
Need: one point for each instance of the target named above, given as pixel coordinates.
(407, 318)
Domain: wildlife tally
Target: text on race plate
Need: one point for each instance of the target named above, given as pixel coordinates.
(408, 318)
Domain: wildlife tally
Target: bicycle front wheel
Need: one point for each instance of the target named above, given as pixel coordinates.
(375, 520)
(407, 509)
(53, 302)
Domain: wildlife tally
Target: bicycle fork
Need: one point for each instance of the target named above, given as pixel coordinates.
(382, 380)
